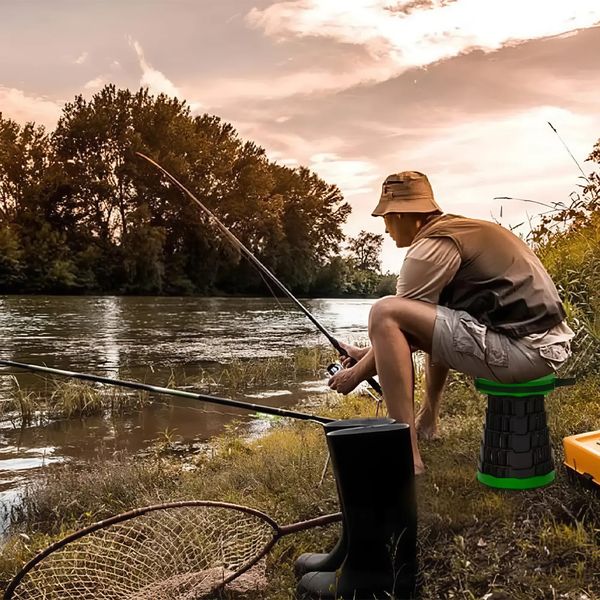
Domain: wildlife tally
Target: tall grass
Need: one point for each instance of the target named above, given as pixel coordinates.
(568, 243)
(65, 399)
(241, 374)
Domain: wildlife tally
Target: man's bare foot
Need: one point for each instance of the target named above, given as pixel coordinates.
(426, 424)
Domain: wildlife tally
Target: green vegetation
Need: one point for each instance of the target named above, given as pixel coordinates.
(81, 213)
(568, 243)
(242, 374)
(66, 399)
(473, 540)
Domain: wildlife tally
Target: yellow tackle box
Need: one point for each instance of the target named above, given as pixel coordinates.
(582, 458)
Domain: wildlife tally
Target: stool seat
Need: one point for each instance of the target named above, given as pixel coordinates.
(542, 385)
(515, 446)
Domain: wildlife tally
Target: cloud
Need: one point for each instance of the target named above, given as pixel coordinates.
(81, 58)
(473, 161)
(350, 175)
(408, 34)
(156, 81)
(16, 105)
(301, 83)
(95, 84)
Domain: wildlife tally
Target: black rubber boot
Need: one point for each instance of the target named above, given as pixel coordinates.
(374, 471)
(331, 561)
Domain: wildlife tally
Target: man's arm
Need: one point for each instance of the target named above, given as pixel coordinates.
(428, 267)
(365, 367)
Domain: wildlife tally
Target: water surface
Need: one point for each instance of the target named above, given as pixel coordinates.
(148, 339)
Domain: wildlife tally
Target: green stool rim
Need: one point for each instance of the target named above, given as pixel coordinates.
(542, 385)
(513, 483)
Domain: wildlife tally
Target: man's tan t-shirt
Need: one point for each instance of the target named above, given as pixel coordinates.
(432, 263)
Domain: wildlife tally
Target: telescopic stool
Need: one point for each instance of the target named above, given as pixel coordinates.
(515, 447)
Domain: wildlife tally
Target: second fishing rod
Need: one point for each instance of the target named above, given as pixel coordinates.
(258, 264)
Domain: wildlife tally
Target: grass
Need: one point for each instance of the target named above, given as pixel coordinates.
(474, 542)
(241, 374)
(67, 399)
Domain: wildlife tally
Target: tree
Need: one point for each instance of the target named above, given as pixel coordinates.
(81, 211)
(312, 215)
(365, 249)
(11, 259)
(33, 240)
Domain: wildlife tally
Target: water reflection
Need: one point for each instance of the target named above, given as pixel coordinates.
(148, 339)
(109, 346)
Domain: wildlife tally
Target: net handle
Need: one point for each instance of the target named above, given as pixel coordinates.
(281, 531)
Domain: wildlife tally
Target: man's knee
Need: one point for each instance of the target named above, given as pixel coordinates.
(386, 310)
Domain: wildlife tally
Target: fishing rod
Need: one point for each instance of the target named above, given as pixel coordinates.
(238, 244)
(135, 385)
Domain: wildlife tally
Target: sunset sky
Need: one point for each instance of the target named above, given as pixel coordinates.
(459, 89)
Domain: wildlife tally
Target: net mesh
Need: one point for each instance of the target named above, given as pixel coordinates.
(182, 553)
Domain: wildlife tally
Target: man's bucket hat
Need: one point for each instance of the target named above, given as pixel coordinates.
(409, 191)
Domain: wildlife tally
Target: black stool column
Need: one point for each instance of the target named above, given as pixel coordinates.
(515, 447)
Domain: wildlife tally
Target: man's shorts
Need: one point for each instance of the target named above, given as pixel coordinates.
(466, 345)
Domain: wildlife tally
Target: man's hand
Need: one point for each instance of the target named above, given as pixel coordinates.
(353, 352)
(344, 381)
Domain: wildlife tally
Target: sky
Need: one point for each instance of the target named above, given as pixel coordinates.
(461, 90)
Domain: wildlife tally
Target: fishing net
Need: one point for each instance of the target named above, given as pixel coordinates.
(176, 551)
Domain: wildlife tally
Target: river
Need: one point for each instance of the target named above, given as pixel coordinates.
(148, 339)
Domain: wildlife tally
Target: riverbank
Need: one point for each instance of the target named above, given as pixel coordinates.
(474, 542)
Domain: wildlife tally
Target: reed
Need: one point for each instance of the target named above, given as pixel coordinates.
(241, 374)
(67, 399)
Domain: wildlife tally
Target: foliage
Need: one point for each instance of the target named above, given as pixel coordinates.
(568, 243)
(67, 400)
(81, 212)
(386, 285)
(240, 374)
(357, 274)
(365, 249)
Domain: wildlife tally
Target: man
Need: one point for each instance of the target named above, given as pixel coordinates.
(471, 294)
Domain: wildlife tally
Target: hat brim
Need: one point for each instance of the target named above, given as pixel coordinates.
(402, 205)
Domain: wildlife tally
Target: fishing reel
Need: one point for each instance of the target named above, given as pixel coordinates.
(334, 368)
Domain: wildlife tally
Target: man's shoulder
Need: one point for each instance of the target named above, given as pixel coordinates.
(449, 225)
(434, 249)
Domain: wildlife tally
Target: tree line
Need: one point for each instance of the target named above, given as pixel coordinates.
(80, 212)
